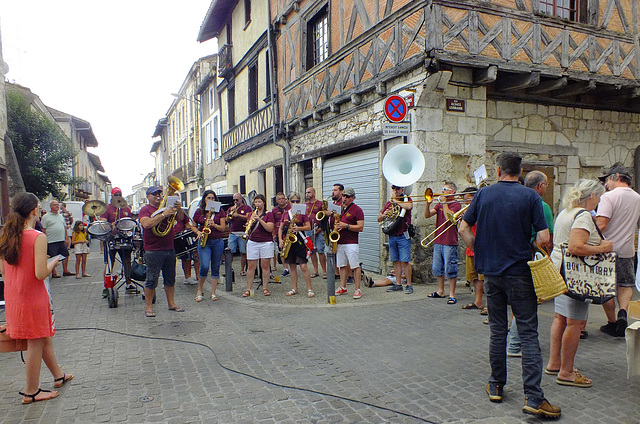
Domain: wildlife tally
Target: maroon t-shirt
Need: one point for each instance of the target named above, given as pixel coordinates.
(181, 225)
(236, 223)
(199, 218)
(259, 234)
(300, 221)
(278, 212)
(312, 210)
(112, 214)
(338, 202)
(350, 215)
(450, 236)
(404, 223)
(151, 242)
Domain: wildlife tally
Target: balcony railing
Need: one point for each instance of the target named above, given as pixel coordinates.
(225, 62)
(255, 124)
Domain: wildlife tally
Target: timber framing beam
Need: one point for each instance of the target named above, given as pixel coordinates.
(575, 89)
(512, 82)
(484, 76)
(549, 85)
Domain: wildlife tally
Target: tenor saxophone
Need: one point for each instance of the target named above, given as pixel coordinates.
(206, 230)
(289, 239)
(334, 236)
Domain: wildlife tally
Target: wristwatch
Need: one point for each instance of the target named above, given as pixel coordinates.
(347, 226)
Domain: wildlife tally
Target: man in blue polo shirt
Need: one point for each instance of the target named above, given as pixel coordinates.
(505, 213)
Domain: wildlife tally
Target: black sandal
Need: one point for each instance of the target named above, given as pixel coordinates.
(62, 380)
(33, 396)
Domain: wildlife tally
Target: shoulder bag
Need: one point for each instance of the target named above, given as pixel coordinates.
(547, 281)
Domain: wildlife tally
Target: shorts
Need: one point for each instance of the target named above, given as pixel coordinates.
(625, 272)
(259, 250)
(57, 248)
(236, 243)
(445, 261)
(399, 249)
(318, 242)
(472, 274)
(160, 260)
(80, 248)
(571, 308)
(348, 254)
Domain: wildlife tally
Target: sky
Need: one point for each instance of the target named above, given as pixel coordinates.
(114, 64)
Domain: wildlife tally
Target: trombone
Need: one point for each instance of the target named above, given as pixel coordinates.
(452, 219)
(429, 196)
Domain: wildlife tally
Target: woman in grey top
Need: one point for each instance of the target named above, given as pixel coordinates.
(575, 226)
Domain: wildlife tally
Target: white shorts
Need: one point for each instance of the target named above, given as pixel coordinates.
(257, 250)
(348, 254)
(81, 248)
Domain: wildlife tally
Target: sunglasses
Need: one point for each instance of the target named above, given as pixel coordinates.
(344, 195)
(295, 201)
(157, 193)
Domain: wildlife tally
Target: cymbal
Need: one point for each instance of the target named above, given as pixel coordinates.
(118, 202)
(94, 207)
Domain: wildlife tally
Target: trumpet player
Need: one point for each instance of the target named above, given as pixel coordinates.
(348, 254)
(399, 240)
(445, 248)
(313, 207)
(237, 216)
(211, 253)
(260, 245)
(159, 254)
(297, 251)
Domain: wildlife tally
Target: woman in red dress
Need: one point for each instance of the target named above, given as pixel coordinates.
(28, 309)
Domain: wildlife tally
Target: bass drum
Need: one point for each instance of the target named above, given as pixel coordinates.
(185, 242)
(99, 229)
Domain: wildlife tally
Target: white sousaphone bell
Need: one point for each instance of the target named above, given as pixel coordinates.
(402, 166)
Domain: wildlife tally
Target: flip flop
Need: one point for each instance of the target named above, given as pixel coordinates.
(149, 314)
(435, 295)
(176, 309)
(484, 311)
(452, 301)
(470, 306)
(314, 275)
(551, 372)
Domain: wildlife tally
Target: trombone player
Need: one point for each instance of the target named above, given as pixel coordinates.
(445, 248)
(399, 240)
(158, 250)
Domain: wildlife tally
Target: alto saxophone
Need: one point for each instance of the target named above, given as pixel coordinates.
(334, 236)
(206, 230)
(250, 222)
(289, 239)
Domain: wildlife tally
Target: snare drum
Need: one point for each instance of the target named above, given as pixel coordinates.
(185, 242)
(126, 224)
(99, 229)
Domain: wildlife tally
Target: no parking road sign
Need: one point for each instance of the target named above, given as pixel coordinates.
(395, 108)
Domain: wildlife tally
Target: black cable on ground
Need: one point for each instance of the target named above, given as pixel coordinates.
(284, 386)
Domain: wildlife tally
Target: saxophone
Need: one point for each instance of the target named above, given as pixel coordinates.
(290, 238)
(334, 236)
(250, 222)
(322, 217)
(206, 230)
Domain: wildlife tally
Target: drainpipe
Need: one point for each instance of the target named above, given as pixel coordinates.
(283, 144)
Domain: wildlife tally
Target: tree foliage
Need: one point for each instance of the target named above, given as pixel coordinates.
(43, 151)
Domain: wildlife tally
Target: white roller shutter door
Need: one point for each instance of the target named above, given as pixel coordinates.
(361, 171)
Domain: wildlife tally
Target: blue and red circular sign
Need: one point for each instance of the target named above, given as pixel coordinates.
(395, 108)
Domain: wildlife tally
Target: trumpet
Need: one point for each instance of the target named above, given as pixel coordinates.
(250, 222)
(232, 211)
(164, 226)
(206, 230)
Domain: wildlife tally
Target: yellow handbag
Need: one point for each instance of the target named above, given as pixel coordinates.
(547, 281)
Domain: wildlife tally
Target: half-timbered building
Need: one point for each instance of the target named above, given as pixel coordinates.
(554, 81)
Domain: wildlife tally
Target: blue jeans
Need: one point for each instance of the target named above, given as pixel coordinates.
(399, 249)
(519, 293)
(211, 255)
(318, 241)
(513, 339)
(445, 261)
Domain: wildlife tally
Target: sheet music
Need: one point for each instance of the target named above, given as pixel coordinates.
(213, 205)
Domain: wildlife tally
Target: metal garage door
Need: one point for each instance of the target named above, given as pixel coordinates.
(361, 172)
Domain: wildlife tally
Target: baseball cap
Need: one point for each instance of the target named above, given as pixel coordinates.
(615, 169)
(153, 190)
(348, 191)
(116, 190)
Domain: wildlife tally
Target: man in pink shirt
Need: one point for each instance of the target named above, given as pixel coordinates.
(618, 216)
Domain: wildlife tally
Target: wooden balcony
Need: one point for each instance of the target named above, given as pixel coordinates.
(225, 62)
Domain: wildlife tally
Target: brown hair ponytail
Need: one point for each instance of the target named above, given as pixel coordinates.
(11, 236)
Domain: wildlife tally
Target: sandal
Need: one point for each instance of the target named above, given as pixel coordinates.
(199, 298)
(484, 311)
(214, 297)
(247, 293)
(580, 381)
(314, 275)
(33, 396)
(311, 293)
(86, 275)
(243, 273)
(59, 382)
(290, 293)
(471, 306)
(435, 295)
(149, 314)
(266, 292)
(452, 301)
